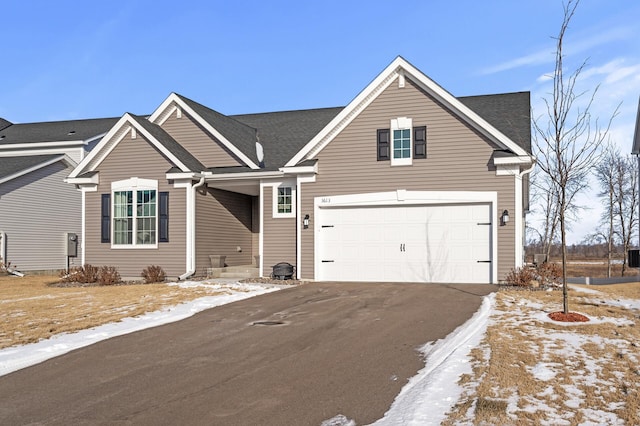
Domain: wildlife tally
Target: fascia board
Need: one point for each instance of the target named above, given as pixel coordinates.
(41, 144)
(28, 170)
(93, 180)
(522, 159)
(173, 98)
(180, 176)
(237, 176)
(300, 170)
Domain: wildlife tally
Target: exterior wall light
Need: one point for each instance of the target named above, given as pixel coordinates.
(305, 221)
(505, 217)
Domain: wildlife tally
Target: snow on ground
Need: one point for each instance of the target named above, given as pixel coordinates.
(18, 357)
(425, 399)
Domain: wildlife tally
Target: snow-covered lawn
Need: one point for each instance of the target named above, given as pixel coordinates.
(568, 363)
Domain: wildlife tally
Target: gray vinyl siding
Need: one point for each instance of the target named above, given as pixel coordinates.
(223, 223)
(36, 212)
(279, 239)
(137, 158)
(458, 159)
(199, 142)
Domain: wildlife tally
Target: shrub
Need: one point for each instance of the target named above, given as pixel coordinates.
(80, 274)
(549, 273)
(153, 274)
(520, 277)
(108, 275)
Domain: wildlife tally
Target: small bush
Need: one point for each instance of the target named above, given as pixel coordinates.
(80, 274)
(549, 273)
(521, 277)
(153, 274)
(108, 275)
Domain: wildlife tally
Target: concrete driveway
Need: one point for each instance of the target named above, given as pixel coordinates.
(341, 348)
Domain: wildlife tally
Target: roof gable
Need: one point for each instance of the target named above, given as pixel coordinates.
(4, 123)
(14, 167)
(399, 70)
(237, 137)
(168, 146)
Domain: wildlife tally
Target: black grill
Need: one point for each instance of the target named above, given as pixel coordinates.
(282, 271)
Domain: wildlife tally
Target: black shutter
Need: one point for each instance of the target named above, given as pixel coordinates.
(105, 219)
(163, 217)
(420, 142)
(383, 145)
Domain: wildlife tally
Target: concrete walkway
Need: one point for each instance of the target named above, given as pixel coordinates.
(330, 348)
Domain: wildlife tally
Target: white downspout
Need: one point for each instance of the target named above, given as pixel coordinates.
(520, 257)
(191, 230)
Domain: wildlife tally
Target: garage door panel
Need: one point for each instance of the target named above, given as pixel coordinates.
(434, 243)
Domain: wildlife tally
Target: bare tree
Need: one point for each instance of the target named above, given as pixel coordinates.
(606, 176)
(569, 139)
(626, 190)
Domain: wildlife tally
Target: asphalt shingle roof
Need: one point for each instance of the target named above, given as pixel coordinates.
(283, 134)
(508, 112)
(241, 135)
(4, 123)
(170, 144)
(55, 131)
(12, 165)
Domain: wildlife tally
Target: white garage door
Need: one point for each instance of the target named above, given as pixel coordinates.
(435, 243)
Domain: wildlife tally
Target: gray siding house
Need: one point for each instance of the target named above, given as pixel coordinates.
(405, 183)
(37, 208)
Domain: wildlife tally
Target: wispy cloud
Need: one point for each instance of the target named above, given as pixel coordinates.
(546, 55)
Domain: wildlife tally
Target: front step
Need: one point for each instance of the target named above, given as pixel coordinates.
(242, 271)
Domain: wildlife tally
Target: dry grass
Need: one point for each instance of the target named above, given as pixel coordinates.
(602, 374)
(30, 310)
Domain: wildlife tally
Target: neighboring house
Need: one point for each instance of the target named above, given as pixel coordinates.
(406, 183)
(37, 208)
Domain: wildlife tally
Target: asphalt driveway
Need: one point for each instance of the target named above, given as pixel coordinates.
(331, 348)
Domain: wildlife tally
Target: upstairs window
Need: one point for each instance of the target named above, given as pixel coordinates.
(402, 143)
(285, 200)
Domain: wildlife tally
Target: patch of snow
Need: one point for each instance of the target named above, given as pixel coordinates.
(429, 395)
(544, 371)
(339, 420)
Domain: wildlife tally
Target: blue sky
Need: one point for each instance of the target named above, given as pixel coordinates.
(71, 59)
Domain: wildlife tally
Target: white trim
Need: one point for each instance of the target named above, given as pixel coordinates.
(288, 183)
(62, 157)
(75, 153)
(261, 233)
(83, 228)
(244, 175)
(133, 185)
(92, 180)
(518, 223)
(521, 159)
(30, 145)
(377, 86)
(401, 123)
(402, 197)
(300, 169)
(174, 98)
(507, 170)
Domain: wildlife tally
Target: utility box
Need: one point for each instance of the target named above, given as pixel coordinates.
(72, 244)
(634, 258)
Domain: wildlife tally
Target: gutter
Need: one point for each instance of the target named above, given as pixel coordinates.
(191, 229)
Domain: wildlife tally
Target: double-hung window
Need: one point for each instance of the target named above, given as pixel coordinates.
(284, 199)
(401, 141)
(135, 218)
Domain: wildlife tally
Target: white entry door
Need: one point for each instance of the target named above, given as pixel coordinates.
(434, 243)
